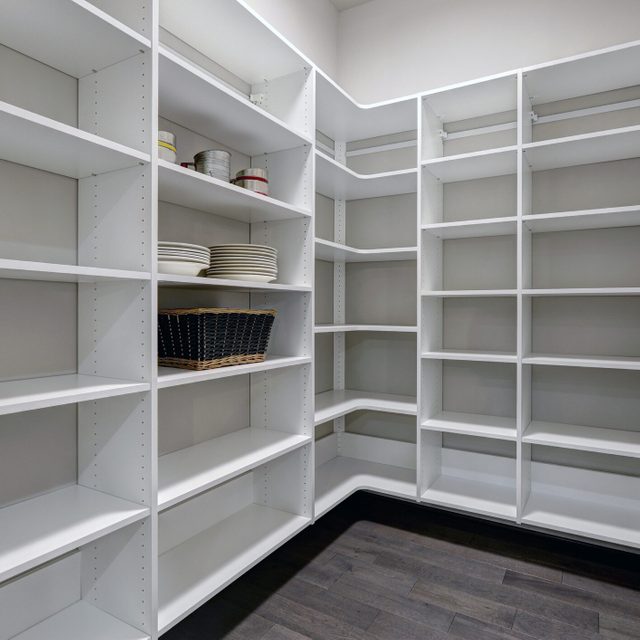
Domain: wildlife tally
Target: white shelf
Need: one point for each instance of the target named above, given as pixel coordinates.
(46, 271)
(473, 166)
(81, 621)
(584, 219)
(471, 293)
(198, 101)
(584, 291)
(36, 141)
(171, 377)
(187, 472)
(334, 252)
(335, 404)
(52, 391)
(597, 518)
(338, 182)
(188, 188)
(473, 228)
(485, 498)
(595, 362)
(200, 282)
(197, 569)
(472, 356)
(616, 442)
(40, 529)
(588, 148)
(385, 328)
(472, 424)
(337, 479)
(73, 36)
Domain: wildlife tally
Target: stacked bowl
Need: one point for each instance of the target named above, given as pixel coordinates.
(215, 163)
(182, 258)
(250, 262)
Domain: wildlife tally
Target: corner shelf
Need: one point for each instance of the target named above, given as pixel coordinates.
(198, 282)
(74, 516)
(471, 356)
(49, 272)
(338, 182)
(53, 391)
(595, 362)
(472, 424)
(188, 472)
(197, 569)
(385, 328)
(584, 219)
(473, 228)
(187, 188)
(335, 404)
(335, 252)
(473, 166)
(36, 141)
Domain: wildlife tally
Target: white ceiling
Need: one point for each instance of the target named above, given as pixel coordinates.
(341, 5)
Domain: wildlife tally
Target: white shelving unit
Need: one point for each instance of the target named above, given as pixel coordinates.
(478, 354)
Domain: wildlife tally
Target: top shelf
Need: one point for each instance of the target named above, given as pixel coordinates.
(195, 99)
(343, 119)
(73, 36)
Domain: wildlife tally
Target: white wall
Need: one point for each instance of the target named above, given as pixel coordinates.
(310, 25)
(390, 48)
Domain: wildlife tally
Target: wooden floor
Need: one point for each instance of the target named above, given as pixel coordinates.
(383, 569)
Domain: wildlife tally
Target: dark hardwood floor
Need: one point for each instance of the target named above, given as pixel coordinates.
(389, 570)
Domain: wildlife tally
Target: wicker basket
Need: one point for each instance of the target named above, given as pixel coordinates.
(202, 338)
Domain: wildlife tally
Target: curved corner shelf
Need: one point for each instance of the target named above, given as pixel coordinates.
(338, 182)
(335, 252)
(335, 404)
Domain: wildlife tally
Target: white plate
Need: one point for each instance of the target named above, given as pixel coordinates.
(183, 256)
(243, 254)
(182, 259)
(245, 277)
(184, 245)
(242, 246)
(254, 262)
(180, 268)
(245, 271)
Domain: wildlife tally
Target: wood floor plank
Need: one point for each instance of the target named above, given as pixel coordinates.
(278, 632)
(466, 628)
(390, 627)
(619, 628)
(548, 629)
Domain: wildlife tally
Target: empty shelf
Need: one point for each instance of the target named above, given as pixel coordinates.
(188, 188)
(338, 478)
(335, 404)
(473, 166)
(334, 252)
(79, 622)
(187, 472)
(338, 182)
(197, 569)
(386, 328)
(596, 362)
(171, 377)
(473, 424)
(470, 293)
(473, 495)
(36, 141)
(570, 436)
(584, 291)
(40, 529)
(198, 282)
(473, 228)
(474, 356)
(52, 391)
(45, 271)
(584, 219)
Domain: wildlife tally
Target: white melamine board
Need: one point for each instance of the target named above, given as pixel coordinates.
(199, 282)
(472, 424)
(384, 328)
(52, 391)
(338, 478)
(381, 450)
(190, 471)
(596, 362)
(335, 404)
(187, 188)
(471, 293)
(198, 101)
(200, 567)
(585, 219)
(36, 141)
(337, 181)
(588, 148)
(171, 377)
(471, 356)
(584, 291)
(582, 438)
(584, 74)
(473, 228)
(233, 35)
(473, 166)
(45, 271)
(74, 516)
(79, 622)
(73, 36)
(341, 118)
(335, 252)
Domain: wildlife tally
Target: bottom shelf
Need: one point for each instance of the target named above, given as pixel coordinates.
(338, 478)
(79, 622)
(197, 569)
(484, 498)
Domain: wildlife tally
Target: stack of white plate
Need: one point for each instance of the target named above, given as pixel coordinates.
(182, 258)
(243, 262)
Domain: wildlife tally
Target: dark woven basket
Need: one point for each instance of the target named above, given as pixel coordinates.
(202, 338)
